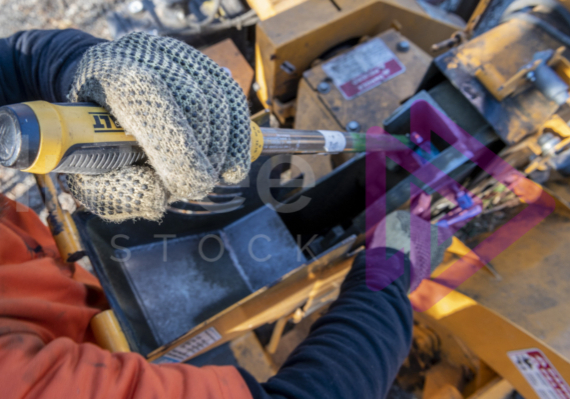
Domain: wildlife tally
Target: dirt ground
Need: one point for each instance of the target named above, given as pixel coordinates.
(87, 15)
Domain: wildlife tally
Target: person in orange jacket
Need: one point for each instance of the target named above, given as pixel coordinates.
(46, 346)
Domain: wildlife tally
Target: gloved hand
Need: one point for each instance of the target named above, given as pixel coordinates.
(422, 248)
(189, 116)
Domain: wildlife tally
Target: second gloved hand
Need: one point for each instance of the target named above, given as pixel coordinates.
(423, 249)
(189, 116)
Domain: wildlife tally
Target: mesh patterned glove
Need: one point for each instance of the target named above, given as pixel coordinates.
(189, 116)
(422, 247)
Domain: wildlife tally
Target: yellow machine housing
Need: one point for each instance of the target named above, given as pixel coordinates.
(289, 42)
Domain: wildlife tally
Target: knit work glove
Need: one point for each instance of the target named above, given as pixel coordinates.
(423, 249)
(190, 117)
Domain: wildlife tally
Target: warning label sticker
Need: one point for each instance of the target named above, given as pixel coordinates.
(363, 68)
(540, 374)
(189, 348)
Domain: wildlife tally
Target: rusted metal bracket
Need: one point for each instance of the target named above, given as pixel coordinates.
(461, 36)
(501, 87)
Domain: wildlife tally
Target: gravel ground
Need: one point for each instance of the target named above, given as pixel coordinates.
(87, 15)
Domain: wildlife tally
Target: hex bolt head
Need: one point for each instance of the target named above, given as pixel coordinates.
(323, 87)
(531, 76)
(353, 126)
(403, 46)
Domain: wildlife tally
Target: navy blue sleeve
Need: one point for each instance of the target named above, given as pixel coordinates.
(40, 64)
(354, 351)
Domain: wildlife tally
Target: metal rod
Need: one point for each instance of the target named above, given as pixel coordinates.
(294, 141)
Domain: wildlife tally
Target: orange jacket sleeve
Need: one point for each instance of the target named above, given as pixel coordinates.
(45, 341)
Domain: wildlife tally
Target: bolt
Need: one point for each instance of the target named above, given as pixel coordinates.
(416, 138)
(323, 87)
(353, 126)
(531, 76)
(135, 7)
(545, 138)
(403, 46)
(548, 142)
